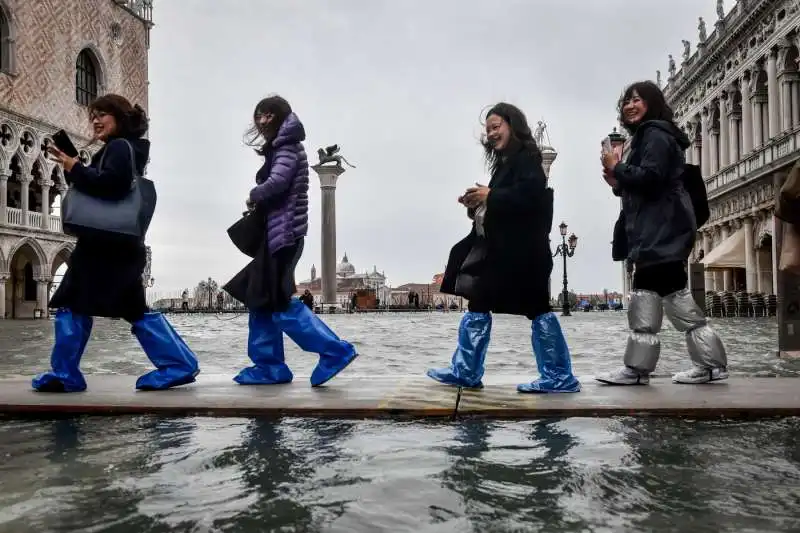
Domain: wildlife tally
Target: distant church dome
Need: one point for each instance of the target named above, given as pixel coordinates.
(345, 268)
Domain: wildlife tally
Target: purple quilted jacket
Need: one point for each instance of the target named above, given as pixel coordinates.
(283, 184)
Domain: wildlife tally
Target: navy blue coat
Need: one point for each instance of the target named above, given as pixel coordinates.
(104, 274)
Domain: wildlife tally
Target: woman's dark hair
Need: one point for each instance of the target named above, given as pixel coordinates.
(521, 136)
(657, 107)
(262, 137)
(132, 121)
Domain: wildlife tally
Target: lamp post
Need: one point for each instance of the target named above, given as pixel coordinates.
(565, 249)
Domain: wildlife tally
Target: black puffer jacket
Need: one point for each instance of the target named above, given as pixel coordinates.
(659, 218)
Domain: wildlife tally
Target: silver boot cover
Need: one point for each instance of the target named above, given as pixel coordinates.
(645, 315)
(705, 346)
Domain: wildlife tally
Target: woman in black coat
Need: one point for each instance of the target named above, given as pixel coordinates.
(104, 275)
(504, 264)
(660, 228)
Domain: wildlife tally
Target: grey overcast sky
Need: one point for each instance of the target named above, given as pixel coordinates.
(400, 86)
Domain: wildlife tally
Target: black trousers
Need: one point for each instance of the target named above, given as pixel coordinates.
(662, 279)
(479, 305)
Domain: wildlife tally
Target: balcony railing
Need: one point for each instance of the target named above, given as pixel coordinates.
(141, 8)
(760, 159)
(14, 218)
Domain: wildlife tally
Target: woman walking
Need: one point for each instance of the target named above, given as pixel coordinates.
(504, 264)
(281, 198)
(660, 227)
(104, 275)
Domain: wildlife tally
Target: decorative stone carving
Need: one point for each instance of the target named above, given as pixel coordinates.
(671, 68)
(658, 78)
(687, 49)
(720, 10)
(702, 35)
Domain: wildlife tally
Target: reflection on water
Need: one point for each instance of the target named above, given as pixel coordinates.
(131, 474)
(148, 474)
(398, 343)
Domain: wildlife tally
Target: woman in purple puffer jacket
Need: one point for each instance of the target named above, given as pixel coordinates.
(281, 192)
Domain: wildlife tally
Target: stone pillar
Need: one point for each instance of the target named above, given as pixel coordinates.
(773, 98)
(786, 105)
(795, 95)
(747, 116)
(43, 295)
(714, 164)
(709, 275)
(45, 184)
(328, 176)
(733, 151)
(706, 146)
(758, 123)
(749, 255)
(697, 153)
(724, 134)
(4, 175)
(3, 279)
(24, 192)
(727, 274)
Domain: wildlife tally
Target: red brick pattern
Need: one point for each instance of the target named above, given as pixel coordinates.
(49, 36)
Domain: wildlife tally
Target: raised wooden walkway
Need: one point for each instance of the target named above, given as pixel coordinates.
(404, 396)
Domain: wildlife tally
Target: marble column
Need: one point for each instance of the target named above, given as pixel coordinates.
(749, 255)
(747, 117)
(706, 146)
(328, 176)
(795, 96)
(4, 175)
(758, 123)
(724, 134)
(709, 275)
(733, 150)
(786, 105)
(43, 295)
(24, 193)
(727, 274)
(697, 153)
(773, 96)
(3, 279)
(45, 184)
(714, 163)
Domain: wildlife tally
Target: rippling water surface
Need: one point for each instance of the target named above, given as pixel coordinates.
(131, 474)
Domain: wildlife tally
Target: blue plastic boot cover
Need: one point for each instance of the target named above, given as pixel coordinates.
(466, 368)
(175, 363)
(265, 349)
(72, 334)
(552, 358)
(312, 335)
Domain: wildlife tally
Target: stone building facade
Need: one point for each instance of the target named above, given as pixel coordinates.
(56, 56)
(737, 96)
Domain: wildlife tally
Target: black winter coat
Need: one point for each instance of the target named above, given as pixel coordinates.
(104, 274)
(659, 218)
(509, 269)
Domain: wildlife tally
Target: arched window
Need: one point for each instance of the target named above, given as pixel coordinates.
(5, 41)
(85, 78)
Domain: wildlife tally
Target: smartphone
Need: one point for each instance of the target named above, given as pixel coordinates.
(63, 143)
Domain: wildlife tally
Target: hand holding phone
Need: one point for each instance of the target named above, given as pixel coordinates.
(62, 141)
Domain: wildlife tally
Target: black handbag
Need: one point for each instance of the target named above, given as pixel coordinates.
(129, 217)
(249, 232)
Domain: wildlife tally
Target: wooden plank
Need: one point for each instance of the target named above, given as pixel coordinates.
(735, 397)
(350, 396)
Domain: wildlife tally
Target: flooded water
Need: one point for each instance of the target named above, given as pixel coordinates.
(126, 474)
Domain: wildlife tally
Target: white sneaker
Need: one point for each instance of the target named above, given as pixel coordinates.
(699, 375)
(624, 376)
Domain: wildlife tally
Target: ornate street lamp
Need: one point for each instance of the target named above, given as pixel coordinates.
(565, 249)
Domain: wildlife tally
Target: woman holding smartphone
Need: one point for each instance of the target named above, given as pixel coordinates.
(104, 275)
(504, 264)
(660, 228)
